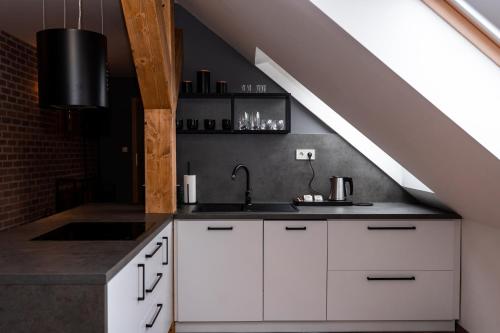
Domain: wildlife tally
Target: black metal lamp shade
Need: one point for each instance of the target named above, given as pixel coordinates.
(71, 69)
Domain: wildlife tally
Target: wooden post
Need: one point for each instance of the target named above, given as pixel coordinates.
(157, 52)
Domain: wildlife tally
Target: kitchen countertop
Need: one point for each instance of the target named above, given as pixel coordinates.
(23, 261)
(73, 262)
(379, 210)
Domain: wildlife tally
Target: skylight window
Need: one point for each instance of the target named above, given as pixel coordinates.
(332, 119)
(431, 56)
(479, 20)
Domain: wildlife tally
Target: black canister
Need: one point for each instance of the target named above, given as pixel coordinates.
(221, 87)
(203, 81)
(187, 87)
(192, 124)
(179, 124)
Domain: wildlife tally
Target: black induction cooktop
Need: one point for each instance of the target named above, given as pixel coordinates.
(95, 231)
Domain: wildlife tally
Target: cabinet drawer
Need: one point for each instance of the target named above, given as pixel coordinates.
(155, 320)
(392, 245)
(380, 295)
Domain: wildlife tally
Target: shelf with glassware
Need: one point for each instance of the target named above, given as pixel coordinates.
(247, 113)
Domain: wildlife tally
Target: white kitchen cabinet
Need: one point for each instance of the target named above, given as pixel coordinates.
(134, 292)
(391, 295)
(393, 244)
(295, 270)
(219, 270)
(168, 269)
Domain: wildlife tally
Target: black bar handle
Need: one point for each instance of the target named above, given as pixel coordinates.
(158, 310)
(158, 246)
(143, 297)
(166, 251)
(219, 228)
(408, 278)
(295, 228)
(392, 228)
(158, 278)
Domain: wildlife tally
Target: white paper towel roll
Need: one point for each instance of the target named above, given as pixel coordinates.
(189, 189)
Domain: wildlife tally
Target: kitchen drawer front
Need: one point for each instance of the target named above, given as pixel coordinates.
(295, 270)
(429, 296)
(152, 256)
(156, 318)
(219, 270)
(352, 296)
(393, 245)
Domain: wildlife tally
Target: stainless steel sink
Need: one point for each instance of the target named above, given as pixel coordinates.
(256, 207)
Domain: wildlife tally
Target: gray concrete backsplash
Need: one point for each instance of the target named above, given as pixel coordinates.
(275, 174)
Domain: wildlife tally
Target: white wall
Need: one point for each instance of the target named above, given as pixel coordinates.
(480, 310)
(431, 56)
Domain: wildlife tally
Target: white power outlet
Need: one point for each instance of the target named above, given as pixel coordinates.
(301, 154)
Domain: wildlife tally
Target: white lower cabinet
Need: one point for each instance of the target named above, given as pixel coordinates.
(139, 296)
(295, 270)
(391, 295)
(219, 270)
(348, 275)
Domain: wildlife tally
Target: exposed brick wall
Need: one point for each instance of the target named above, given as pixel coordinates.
(34, 148)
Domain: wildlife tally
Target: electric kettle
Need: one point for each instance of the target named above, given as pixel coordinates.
(338, 191)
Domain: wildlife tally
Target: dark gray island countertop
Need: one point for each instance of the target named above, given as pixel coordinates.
(379, 210)
(23, 261)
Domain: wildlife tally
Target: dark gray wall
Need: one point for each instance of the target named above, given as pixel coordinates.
(276, 175)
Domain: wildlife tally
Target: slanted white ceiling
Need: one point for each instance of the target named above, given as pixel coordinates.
(23, 18)
(363, 90)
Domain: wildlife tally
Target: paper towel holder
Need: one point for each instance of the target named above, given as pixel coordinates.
(190, 187)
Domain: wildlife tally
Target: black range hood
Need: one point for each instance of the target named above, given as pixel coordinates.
(72, 70)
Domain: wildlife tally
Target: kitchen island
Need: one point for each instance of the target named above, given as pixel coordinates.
(65, 286)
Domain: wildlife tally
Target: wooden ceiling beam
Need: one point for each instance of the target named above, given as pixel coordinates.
(151, 43)
(157, 52)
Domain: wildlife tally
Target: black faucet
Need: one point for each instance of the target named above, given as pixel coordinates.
(248, 198)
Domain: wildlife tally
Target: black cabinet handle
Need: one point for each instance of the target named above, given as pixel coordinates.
(158, 278)
(158, 246)
(295, 228)
(392, 228)
(143, 297)
(166, 251)
(219, 228)
(408, 278)
(158, 310)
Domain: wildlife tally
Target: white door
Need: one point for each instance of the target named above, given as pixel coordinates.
(219, 270)
(295, 270)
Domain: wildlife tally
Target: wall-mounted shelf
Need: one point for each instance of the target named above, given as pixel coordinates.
(239, 103)
(203, 131)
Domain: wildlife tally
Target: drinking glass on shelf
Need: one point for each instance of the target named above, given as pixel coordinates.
(263, 124)
(261, 88)
(246, 88)
(257, 121)
(281, 125)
